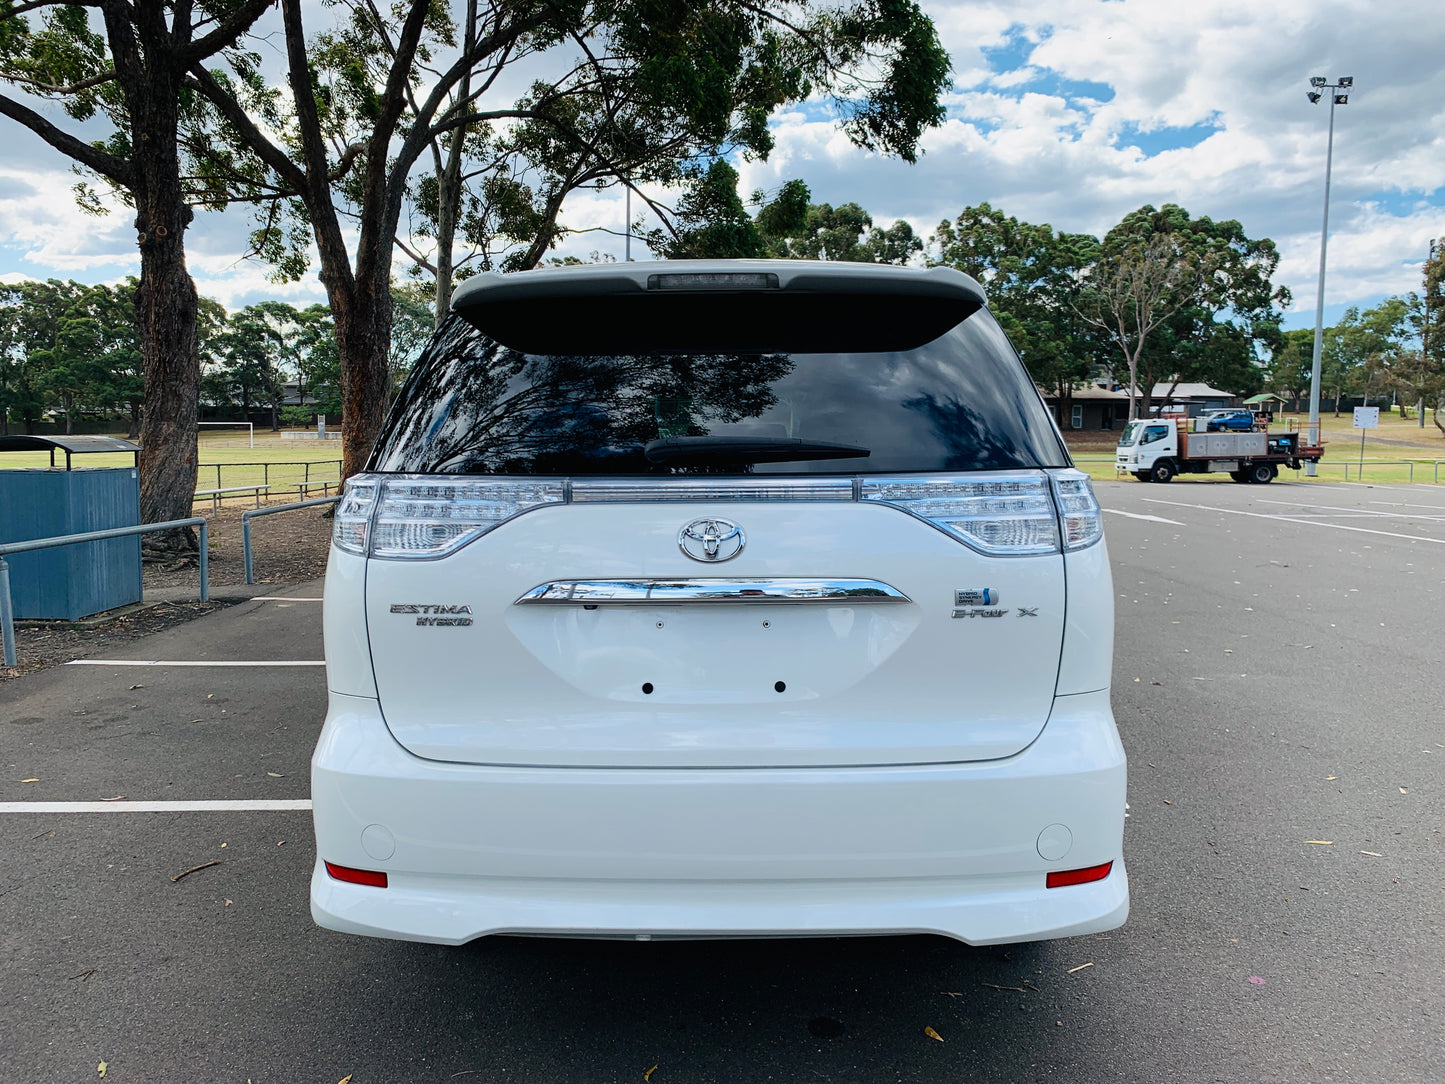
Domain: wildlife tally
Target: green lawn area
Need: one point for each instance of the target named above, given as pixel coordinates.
(281, 463)
(1398, 451)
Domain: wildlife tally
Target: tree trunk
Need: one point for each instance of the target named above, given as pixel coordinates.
(363, 336)
(134, 432)
(66, 399)
(166, 315)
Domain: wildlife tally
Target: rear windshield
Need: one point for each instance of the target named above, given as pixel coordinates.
(961, 402)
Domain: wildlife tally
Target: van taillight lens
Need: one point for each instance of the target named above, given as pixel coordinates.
(1079, 513)
(1000, 515)
(429, 516)
(352, 524)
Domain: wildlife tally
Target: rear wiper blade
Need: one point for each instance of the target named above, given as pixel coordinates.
(748, 449)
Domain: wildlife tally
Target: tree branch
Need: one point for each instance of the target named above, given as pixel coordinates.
(116, 170)
(226, 32)
(73, 88)
(416, 257)
(21, 9)
(273, 156)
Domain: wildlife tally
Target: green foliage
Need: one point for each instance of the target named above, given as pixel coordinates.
(711, 221)
(69, 347)
(1033, 276)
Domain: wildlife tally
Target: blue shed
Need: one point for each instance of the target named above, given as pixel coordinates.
(70, 582)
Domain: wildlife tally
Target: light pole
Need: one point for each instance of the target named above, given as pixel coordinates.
(1425, 340)
(1319, 86)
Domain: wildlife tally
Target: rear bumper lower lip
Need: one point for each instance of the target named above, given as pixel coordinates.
(947, 849)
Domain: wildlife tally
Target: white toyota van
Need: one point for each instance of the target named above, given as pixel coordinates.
(703, 599)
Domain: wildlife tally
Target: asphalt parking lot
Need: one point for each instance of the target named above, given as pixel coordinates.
(1278, 684)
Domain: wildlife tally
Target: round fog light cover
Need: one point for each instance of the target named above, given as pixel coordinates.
(1054, 842)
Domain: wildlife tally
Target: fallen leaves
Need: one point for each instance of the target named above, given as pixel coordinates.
(346, 1079)
(932, 1034)
(1321, 842)
(1081, 967)
(1373, 854)
(648, 1075)
(102, 1067)
(1256, 980)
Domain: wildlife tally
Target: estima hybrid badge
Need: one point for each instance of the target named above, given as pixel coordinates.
(711, 540)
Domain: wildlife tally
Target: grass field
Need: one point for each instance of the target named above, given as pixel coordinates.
(283, 464)
(1398, 451)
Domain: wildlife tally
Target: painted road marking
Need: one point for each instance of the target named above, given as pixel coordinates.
(1297, 519)
(241, 805)
(1151, 519)
(174, 662)
(282, 598)
(1407, 504)
(1350, 511)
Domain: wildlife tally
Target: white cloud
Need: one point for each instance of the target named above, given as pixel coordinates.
(1072, 112)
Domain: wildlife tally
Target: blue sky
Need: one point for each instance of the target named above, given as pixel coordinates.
(1071, 112)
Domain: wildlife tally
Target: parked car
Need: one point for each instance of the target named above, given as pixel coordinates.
(1239, 420)
(737, 598)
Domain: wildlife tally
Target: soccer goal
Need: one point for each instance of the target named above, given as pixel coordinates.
(250, 428)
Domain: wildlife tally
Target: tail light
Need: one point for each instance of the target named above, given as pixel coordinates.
(1079, 513)
(1000, 515)
(413, 516)
(1065, 877)
(419, 516)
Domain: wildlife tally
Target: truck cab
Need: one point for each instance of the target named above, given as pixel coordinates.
(1145, 445)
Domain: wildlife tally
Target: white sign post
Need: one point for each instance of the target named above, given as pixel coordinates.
(1366, 417)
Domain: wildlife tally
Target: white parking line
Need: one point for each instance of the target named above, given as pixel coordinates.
(174, 662)
(1296, 519)
(1350, 511)
(242, 805)
(1136, 515)
(1407, 504)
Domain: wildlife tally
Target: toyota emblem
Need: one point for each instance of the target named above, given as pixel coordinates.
(711, 540)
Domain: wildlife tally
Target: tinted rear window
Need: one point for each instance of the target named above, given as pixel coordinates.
(960, 402)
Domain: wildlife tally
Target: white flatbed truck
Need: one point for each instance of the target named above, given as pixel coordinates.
(1155, 450)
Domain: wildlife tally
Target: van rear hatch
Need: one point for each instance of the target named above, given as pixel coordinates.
(691, 526)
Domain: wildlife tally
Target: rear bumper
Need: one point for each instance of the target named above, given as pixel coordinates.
(948, 849)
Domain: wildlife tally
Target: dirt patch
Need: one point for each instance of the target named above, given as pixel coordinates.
(289, 547)
(41, 646)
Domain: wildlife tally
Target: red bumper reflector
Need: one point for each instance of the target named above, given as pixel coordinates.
(1060, 878)
(365, 876)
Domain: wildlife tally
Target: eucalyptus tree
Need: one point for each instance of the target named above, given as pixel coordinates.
(1184, 298)
(126, 65)
(641, 93)
(1033, 275)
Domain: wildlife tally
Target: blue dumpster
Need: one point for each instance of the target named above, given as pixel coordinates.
(70, 582)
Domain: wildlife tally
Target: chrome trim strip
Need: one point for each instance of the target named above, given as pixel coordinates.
(656, 592)
(588, 491)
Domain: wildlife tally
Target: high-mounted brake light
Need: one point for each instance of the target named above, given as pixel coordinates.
(713, 280)
(1065, 877)
(370, 877)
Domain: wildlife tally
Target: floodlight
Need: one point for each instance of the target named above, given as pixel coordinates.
(1318, 80)
(1342, 99)
(1347, 81)
(1313, 95)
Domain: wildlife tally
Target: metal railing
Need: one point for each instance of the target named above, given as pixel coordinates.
(271, 511)
(304, 464)
(7, 615)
